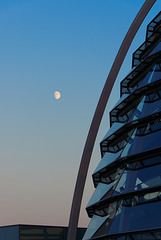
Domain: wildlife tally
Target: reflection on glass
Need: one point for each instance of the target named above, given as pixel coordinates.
(142, 163)
(112, 176)
(120, 143)
(138, 111)
(100, 191)
(129, 86)
(138, 218)
(140, 236)
(151, 76)
(31, 232)
(154, 96)
(138, 180)
(145, 109)
(93, 226)
(107, 159)
(142, 143)
(41, 232)
(110, 134)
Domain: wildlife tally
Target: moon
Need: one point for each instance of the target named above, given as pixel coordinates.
(57, 95)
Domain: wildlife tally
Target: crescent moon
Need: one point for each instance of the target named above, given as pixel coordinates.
(57, 95)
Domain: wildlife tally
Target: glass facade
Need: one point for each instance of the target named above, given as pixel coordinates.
(126, 204)
(47, 233)
(37, 232)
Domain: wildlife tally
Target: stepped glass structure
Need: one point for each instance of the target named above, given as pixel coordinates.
(126, 204)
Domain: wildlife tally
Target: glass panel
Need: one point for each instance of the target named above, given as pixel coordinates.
(80, 233)
(100, 191)
(118, 104)
(138, 144)
(126, 116)
(41, 232)
(28, 232)
(103, 229)
(107, 159)
(152, 26)
(155, 50)
(111, 208)
(120, 188)
(149, 77)
(150, 127)
(155, 96)
(9, 232)
(112, 175)
(157, 235)
(152, 76)
(146, 236)
(155, 160)
(142, 163)
(116, 126)
(146, 109)
(93, 226)
(121, 143)
(137, 218)
(155, 77)
(138, 111)
(138, 180)
(121, 238)
(137, 56)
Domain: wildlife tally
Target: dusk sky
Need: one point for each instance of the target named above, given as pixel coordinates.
(47, 46)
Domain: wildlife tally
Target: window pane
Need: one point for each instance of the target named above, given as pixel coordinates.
(138, 218)
(138, 180)
(142, 143)
(145, 109)
(107, 159)
(100, 191)
(41, 232)
(93, 226)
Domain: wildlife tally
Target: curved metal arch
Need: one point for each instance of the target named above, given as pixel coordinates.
(88, 148)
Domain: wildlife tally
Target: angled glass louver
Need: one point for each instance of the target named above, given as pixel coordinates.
(126, 203)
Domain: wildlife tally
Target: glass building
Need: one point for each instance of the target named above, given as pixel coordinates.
(37, 232)
(126, 204)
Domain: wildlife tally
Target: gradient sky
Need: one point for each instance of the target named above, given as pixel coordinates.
(49, 45)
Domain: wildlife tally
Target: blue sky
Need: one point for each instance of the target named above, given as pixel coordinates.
(49, 45)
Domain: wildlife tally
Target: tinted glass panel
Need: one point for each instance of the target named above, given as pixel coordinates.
(142, 82)
(147, 236)
(152, 76)
(149, 127)
(100, 191)
(140, 144)
(148, 78)
(94, 225)
(107, 159)
(140, 179)
(155, 50)
(140, 217)
(138, 111)
(112, 175)
(157, 235)
(117, 105)
(9, 232)
(112, 130)
(41, 232)
(28, 232)
(146, 109)
(155, 160)
(142, 163)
